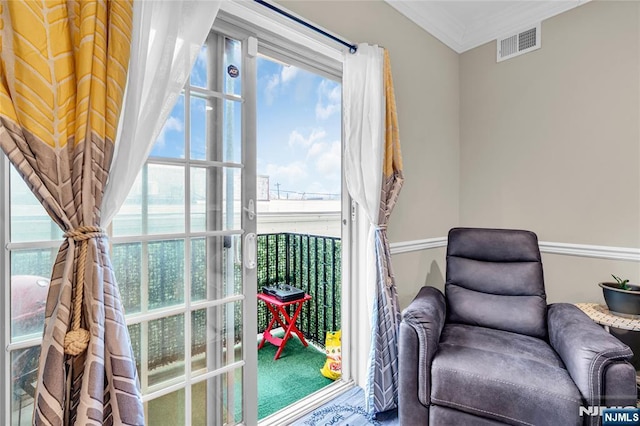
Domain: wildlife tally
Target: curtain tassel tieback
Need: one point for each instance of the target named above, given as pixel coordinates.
(77, 339)
(380, 227)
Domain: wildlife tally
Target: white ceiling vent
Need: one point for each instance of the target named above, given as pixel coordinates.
(518, 43)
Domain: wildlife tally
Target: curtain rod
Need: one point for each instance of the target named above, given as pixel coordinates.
(352, 47)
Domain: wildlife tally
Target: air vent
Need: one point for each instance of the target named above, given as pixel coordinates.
(516, 44)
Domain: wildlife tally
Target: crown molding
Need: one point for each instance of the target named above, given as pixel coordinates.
(461, 36)
(434, 19)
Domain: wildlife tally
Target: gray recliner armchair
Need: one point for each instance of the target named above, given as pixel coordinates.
(493, 352)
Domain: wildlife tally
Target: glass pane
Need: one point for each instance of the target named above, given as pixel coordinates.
(199, 72)
(166, 273)
(29, 221)
(24, 369)
(135, 333)
(166, 349)
(128, 221)
(30, 272)
(166, 199)
(232, 66)
(216, 337)
(232, 131)
(168, 410)
(215, 198)
(155, 204)
(127, 264)
(216, 261)
(170, 141)
(199, 112)
(210, 401)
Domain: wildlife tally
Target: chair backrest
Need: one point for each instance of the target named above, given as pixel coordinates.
(495, 280)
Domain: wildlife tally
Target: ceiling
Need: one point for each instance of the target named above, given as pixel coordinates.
(465, 24)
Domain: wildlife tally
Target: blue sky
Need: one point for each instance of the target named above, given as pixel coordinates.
(299, 127)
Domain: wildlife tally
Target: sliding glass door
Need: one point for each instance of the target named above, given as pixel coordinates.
(184, 244)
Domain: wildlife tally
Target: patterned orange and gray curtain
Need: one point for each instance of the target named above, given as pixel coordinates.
(63, 67)
(382, 386)
(373, 171)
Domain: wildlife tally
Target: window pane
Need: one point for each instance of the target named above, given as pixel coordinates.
(166, 273)
(29, 221)
(199, 72)
(135, 333)
(216, 337)
(166, 199)
(30, 272)
(232, 66)
(127, 264)
(128, 221)
(166, 349)
(170, 141)
(220, 257)
(24, 369)
(210, 117)
(232, 131)
(155, 204)
(210, 402)
(215, 198)
(199, 112)
(168, 410)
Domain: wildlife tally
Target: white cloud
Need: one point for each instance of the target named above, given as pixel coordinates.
(316, 149)
(329, 98)
(297, 139)
(288, 174)
(172, 124)
(199, 71)
(276, 81)
(271, 87)
(329, 160)
(288, 73)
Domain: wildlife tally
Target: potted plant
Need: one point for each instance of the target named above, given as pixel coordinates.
(621, 297)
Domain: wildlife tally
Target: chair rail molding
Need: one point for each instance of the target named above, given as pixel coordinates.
(417, 245)
(566, 249)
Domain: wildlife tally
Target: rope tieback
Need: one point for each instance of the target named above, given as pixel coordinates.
(77, 339)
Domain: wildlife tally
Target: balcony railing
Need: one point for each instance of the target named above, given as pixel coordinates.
(311, 263)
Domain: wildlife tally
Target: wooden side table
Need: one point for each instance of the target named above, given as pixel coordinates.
(287, 322)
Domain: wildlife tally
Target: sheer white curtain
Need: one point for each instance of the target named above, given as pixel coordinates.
(363, 116)
(167, 37)
(363, 119)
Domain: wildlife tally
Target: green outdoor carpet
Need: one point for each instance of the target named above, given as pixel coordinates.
(292, 377)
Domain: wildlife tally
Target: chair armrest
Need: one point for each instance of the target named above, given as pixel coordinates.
(422, 323)
(586, 349)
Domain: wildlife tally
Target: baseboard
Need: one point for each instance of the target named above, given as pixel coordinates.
(566, 249)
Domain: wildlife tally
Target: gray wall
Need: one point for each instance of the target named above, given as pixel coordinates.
(549, 141)
(426, 81)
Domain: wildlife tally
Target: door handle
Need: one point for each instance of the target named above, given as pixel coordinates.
(251, 210)
(250, 251)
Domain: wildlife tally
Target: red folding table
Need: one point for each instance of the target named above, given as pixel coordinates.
(288, 323)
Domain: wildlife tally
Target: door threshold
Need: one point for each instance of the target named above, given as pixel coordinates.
(299, 409)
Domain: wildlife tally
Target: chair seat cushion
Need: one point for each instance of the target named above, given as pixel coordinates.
(504, 376)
